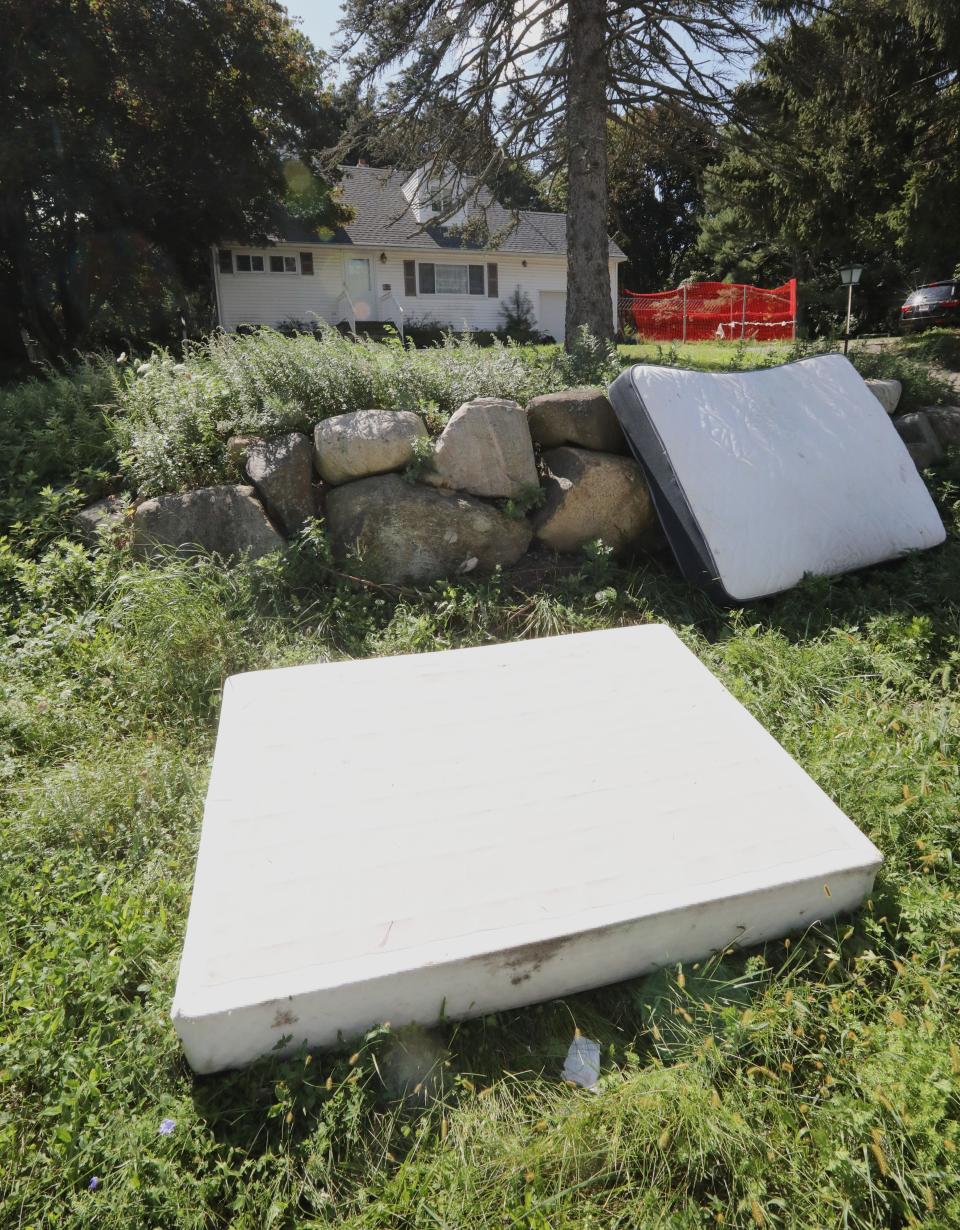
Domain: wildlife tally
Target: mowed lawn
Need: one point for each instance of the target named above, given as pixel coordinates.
(708, 356)
(810, 1082)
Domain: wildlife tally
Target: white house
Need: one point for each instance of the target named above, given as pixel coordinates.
(391, 264)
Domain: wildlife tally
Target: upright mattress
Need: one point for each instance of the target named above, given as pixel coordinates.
(761, 477)
(446, 834)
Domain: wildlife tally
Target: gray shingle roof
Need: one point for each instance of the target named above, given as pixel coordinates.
(384, 219)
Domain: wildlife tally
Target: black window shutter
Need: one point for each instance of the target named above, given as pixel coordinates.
(306, 262)
(476, 279)
(410, 279)
(428, 279)
(493, 289)
(226, 260)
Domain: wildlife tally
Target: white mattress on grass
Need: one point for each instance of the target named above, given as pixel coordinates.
(783, 471)
(454, 833)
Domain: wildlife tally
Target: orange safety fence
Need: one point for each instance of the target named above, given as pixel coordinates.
(708, 311)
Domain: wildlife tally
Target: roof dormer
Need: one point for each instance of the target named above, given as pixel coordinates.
(435, 196)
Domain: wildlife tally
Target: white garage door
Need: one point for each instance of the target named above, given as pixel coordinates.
(553, 311)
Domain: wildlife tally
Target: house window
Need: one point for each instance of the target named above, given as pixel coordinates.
(452, 280)
(441, 204)
(447, 279)
(410, 279)
(306, 263)
(247, 263)
(283, 264)
(226, 260)
(493, 289)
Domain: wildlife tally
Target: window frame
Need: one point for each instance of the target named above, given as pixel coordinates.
(251, 257)
(428, 282)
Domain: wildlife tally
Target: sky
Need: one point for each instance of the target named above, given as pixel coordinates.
(318, 19)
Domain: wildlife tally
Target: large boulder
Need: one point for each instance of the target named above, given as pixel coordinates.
(103, 514)
(887, 393)
(403, 533)
(945, 422)
(282, 472)
(485, 449)
(364, 442)
(227, 521)
(239, 446)
(917, 433)
(582, 417)
(593, 495)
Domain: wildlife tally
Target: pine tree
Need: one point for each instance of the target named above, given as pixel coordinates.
(477, 82)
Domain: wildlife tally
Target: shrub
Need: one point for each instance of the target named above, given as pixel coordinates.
(934, 346)
(53, 432)
(175, 417)
(516, 313)
(922, 384)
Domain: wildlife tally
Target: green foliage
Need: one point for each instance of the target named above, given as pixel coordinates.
(423, 459)
(934, 346)
(119, 167)
(53, 432)
(657, 158)
(517, 317)
(804, 1084)
(923, 385)
(843, 147)
(531, 496)
(175, 417)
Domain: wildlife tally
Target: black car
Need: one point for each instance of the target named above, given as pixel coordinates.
(935, 304)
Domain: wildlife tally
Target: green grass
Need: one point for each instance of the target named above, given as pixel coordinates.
(934, 346)
(813, 1083)
(809, 1083)
(919, 368)
(709, 356)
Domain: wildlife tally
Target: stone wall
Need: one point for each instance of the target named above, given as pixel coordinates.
(401, 508)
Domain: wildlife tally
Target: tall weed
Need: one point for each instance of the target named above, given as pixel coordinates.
(923, 384)
(175, 417)
(53, 433)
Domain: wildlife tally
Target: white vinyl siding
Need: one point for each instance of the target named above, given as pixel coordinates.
(262, 299)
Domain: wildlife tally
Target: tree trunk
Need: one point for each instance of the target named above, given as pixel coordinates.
(588, 269)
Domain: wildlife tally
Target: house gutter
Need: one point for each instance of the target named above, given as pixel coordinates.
(423, 252)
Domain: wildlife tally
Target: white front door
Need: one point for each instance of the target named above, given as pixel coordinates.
(553, 312)
(360, 286)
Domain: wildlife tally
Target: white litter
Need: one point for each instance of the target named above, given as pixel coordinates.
(582, 1065)
(761, 477)
(449, 834)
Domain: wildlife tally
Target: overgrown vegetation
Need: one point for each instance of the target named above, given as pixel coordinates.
(934, 346)
(175, 417)
(54, 431)
(161, 423)
(811, 1082)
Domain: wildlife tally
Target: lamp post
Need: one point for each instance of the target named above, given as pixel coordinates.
(849, 277)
